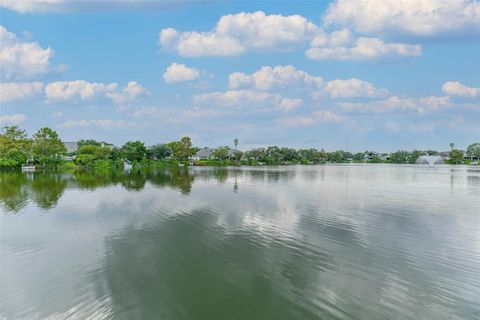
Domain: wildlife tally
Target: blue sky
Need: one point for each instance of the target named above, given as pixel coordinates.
(340, 74)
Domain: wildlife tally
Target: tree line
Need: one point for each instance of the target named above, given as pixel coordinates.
(46, 149)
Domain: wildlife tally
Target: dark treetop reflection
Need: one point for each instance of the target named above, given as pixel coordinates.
(312, 242)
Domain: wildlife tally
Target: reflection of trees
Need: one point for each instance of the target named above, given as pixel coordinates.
(178, 178)
(16, 188)
(88, 180)
(133, 181)
(264, 174)
(219, 174)
(13, 191)
(47, 188)
(188, 267)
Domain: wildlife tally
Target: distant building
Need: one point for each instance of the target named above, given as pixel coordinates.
(369, 156)
(71, 146)
(203, 154)
(207, 154)
(385, 157)
(471, 158)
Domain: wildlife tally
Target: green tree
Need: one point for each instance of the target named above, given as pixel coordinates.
(47, 147)
(309, 156)
(159, 152)
(257, 154)
(182, 150)
(456, 156)
(473, 150)
(221, 153)
(238, 155)
(414, 155)
(15, 147)
(134, 150)
(399, 156)
(236, 143)
(289, 154)
(88, 149)
(14, 133)
(91, 142)
(358, 156)
(273, 155)
(88, 154)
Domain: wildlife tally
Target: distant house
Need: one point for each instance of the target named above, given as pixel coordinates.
(471, 158)
(203, 154)
(385, 157)
(369, 155)
(207, 154)
(71, 146)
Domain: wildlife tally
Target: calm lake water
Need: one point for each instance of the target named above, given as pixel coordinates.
(292, 242)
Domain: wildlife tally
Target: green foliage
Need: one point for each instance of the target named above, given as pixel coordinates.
(91, 142)
(182, 150)
(134, 150)
(238, 155)
(91, 154)
(85, 159)
(221, 153)
(358, 156)
(257, 154)
(473, 150)
(159, 152)
(400, 156)
(456, 156)
(15, 148)
(414, 155)
(47, 147)
(87, 149)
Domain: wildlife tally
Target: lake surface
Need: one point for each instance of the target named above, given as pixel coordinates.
(292, 242)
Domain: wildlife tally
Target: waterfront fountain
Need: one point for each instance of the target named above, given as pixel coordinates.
(429, 160)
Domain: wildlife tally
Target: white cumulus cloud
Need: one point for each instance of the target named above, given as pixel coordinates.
(233, 98)
(316, 118)
(350, 88)
(274, 77)
(21, 60)
(132, 91)
(105, 124)
(287, 104)
(418, 18)
(11, 91)
(13, 119)
(398, 104)
(236, 33)
(84, 90)
(179, 73)
(360, 49)
(78, 89)
(455, 88)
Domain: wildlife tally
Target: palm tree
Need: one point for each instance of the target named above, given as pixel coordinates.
(452, 145)
(236, 143)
